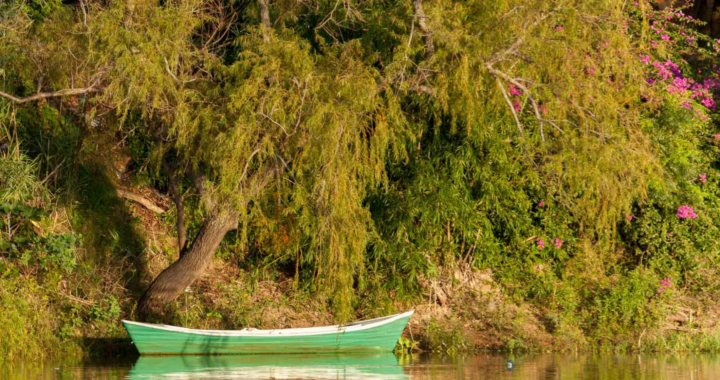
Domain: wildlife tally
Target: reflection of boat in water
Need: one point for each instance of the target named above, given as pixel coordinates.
(374, 335)
(329, 366)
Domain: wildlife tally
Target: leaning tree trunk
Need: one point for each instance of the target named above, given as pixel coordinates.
(171, 282)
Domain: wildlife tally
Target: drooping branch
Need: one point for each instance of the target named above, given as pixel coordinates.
(45, 95)
(427, 32)
(499, 74)
(264, 7)
(514, 113)
(128, 13)
(424, 75)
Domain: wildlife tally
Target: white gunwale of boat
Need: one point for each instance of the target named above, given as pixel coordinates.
(350, 327)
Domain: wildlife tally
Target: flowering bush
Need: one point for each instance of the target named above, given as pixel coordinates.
(673, 39)
(686, 212)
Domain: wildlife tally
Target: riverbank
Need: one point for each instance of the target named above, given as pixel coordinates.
(76, 310)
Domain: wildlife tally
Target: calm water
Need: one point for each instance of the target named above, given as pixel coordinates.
(380, 367)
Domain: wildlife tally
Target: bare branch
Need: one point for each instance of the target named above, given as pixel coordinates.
(427, 32)
(536, 109)
(423, 89)
(407, 49)
(274, 122)
(328, 17)
(148, 204)
(84, 12)
(512, 109)
(247, 164)
(44, 95)
(167, 68)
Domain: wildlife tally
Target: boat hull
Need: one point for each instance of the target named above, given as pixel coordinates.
(162, 340)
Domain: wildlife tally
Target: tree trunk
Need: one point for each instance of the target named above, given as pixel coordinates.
(180, 220)
(710, 6)
(709, 9)
(172, 281)
(264, 6)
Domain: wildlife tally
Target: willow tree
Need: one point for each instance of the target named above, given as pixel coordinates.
(276, 117)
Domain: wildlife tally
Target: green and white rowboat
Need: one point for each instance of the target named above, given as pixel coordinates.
(373, 335)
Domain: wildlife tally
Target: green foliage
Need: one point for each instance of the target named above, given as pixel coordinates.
(629, 305)
(44, 253)
(446, 339)
(25, 326)
(106, 312)
(18, 181)
(39, 9)
(406, 346)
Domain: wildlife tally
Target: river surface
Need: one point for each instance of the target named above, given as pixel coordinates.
(380, 367)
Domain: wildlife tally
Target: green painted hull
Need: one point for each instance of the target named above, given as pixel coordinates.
(163, 340)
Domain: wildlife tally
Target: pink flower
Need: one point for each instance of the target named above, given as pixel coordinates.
(559, 28)
(629, 217)
(541, 204)
(686, 212)
(664, 284)
(670, 234)
(680, 84)
(717, 137)
(514, 90)
(645, 59)
(558, 243)
(540, 245)
(703, 178)
(665, 37)
(516, 105)
(708, 103)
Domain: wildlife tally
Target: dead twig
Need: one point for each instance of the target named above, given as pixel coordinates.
(137, 198)
(44, 95)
